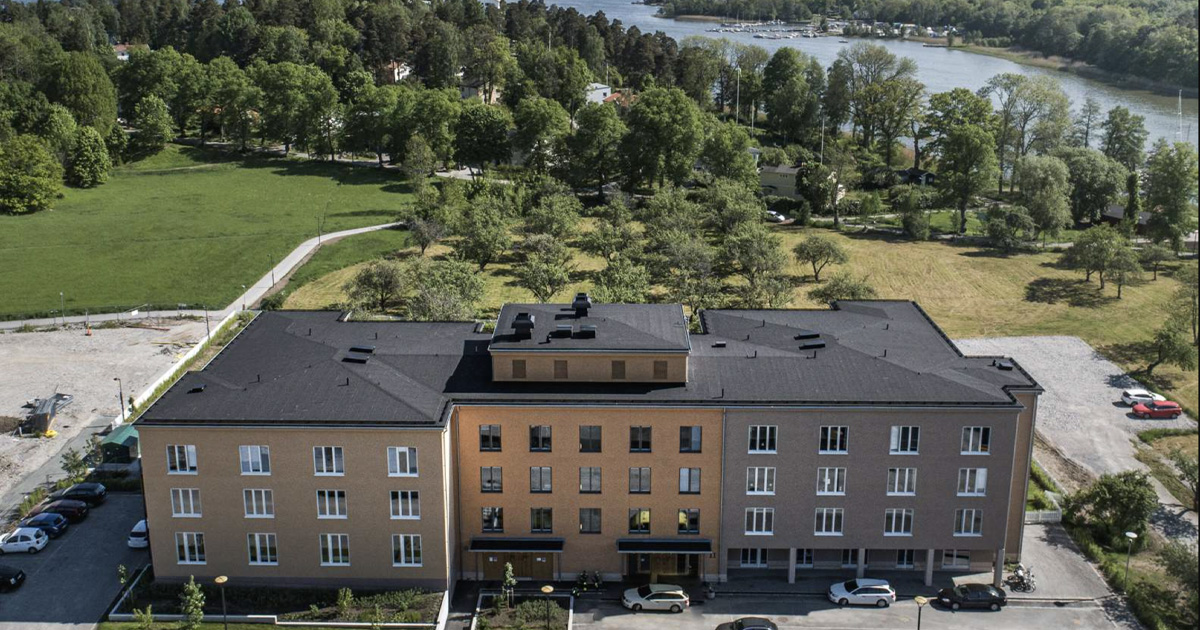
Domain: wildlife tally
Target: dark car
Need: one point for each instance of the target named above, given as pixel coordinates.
(972, 596)
(92, 494)
(10, 577)
(749, 623)
(75, 511)
(52, 523)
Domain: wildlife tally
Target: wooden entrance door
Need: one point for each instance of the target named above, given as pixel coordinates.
(526, 566)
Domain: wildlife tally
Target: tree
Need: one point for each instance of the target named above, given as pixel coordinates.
(1124, 137)
(376, 285)
(1093, 251)
(368, 123)
(59, 131)
(895, 111)
(948, 110)
(1171, 179)
(547, 268)
(699, 69)
(30, 178)
(542, 127)
(1173, 346)
(819, 252)
(234, 100)
(443, 291)
(757, 256)
(843, 286)
(191, 604)
(876, 76)
(1114, 504)
(1133, 204)
(430, 217)
(726, 153)
(116, 143)
(481, 136)
(1009, 228)
(1125, 266)
(1153, 255)
(730, 203)
(483, 230)
(144, 618)
(1186, 301)
(81, 84)
(686, 268)
(153, 123)
(1188, 471)
(1094, 180)
(419, 160)
(434, 113)
(913, 219)
(508, 583)
(1006, 89)
(622, 282)
(489, 59)
(89, 163)
(1045, 186)
(74, 464)
(1179, 560)
(1085, 123)
(556, 215)
(664, 137)
(968, 162)
(595, 146)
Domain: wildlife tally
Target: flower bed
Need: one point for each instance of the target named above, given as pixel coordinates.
(527, 612)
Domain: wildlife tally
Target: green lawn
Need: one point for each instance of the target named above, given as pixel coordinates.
(186, 226)
(174, 625)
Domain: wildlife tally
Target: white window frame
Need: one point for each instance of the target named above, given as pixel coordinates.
(185, 453)
(760, 477)
(897, 485)
(258, 545)
(258, 502)
(972, 482)
(400, 499)
(968, 522)
(771, 438)
(327, 499)
(958, 559)
(827, 476)
(826, 438)
(898, 522)
(906, 440)
(829, 521)
(804, 558)
(409, 548)
(976, 441)
(758, 554)
(189, 548)
(760, 521)
(195, 507)
(326, 459)
(406, 467)
(255, 459)
(328, 547)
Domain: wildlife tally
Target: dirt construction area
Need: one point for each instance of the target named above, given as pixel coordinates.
(66, 360)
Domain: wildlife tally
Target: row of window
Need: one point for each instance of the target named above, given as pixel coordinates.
(835, 440)
(541, 479)
(260, 503)
(754, 558)
(541, 438)
(263, 550)
(829, 521)
(541, 520)
(327, 460)
(562, 370)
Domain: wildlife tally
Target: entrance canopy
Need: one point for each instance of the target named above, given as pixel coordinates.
(643, 545)
(517, 545)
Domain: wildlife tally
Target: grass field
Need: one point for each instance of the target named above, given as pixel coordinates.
(186, 226)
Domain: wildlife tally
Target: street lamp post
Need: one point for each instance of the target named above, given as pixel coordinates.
(921, 601)
(221, 580)
(1131, 536)
(546, 590)
(121, 396)
(243, 297)
(62, 306)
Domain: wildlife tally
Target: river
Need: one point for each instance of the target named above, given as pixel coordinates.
(940, 69)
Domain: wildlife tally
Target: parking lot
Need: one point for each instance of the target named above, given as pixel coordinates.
(74, 579)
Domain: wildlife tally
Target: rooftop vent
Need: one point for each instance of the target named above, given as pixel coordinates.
(356, 358)
(718, 344)
(363, 349)
(587, 331)
(562, 330)
(523, 325)
(197, 389)
(808, 335)
(1005, 365)
(581, 304)
(812, 345)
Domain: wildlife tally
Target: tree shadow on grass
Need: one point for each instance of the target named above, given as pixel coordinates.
(991, 253)
(1072, 292)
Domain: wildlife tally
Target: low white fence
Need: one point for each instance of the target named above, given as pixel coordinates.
(1044, 516)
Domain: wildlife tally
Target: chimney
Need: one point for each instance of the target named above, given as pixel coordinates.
(523, 325)
(581, 304)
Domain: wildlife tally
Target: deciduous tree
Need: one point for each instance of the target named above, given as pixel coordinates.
(542, 127)
(820, 252)
(30, 178)
(89, 164)
(481, 136)
(1171, 179)
(1124, 137)
(547, 267)
(1045, 188)
(664, 137)
(153, 124)
(1095, 180)
(443, 290)
(843, 286)
(376, 285)
(968, 163)
(595, 146)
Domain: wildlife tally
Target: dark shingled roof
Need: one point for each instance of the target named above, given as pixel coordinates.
(623, 327)
(292, 368)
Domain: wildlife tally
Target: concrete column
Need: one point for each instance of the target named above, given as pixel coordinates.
(998, 568)
(791, 565)
(862, 563)
(928, 567)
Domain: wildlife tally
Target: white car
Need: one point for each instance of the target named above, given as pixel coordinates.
(139, 536)
(863, 592)
(1132, 397)
(23, 539)
(656, 597)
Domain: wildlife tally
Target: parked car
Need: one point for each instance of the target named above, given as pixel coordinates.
(75, 511)
(139, 536)
(775, 217)
(53, 524)
(1132, 397)
(972, 596)
(10, 577)
(23, 540)
(1164, 409)
(656, 597)
(863, 592)
(92, 494)
(749, 623)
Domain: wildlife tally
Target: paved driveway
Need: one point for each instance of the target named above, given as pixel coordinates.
(74, 579)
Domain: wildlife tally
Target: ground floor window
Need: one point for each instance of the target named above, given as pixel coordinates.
(904, 559)
(189, 547)
(804, 558)
(849, 558)
(406, 550)
(335, 550)
(956, 559)
(754, 558)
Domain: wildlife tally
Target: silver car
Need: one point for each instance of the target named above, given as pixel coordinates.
(863, 592)
(656, 597)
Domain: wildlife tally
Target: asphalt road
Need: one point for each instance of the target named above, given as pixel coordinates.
(70, 584)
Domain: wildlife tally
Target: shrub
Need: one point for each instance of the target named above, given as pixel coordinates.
(345, 601)
(31, 500)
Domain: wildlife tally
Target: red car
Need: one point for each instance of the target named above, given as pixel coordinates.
(1162, 409)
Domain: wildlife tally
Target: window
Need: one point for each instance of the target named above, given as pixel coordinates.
(760, 521)
(589, 439)
(660, 370)
(639, 439)
(181, 459)
(618, 370)
(539, 438)
(406, 550)
(897, 522)
(589, 520)
(689, 439)
(689, 521)
(804, 558)
(972, 482)
(902, 481)
(589, 480)
(976, 440)
(849, 558)
(518, 368)
(754, 558)
(541, 520)
(185, 502)
(834, 440)
(560, 369)
(760, 480)
(258, 503)
(493, 519)
(968, 522)
(689, 481)
(335, 550)
(956, 559)
(189, 547)
(331, 504)
(327, 460)
(831, 481)
(639, 520)
(905, 440)
(904, 559)
(406, 504)
(256, 460)
(489, 437)
(540, 479)
(639, 481)
(829, 522)
(762, 438)
(402, 461)
(262, 549)
(491, 479)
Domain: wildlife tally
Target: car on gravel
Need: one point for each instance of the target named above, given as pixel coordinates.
(972, 596)
(1164, 409)
(54, 525)
(92, 494)
(10, 577)
(1132, 397)
(656, 597)
(862, 592)
(75, 511)
(23, 540)
(749, 623)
